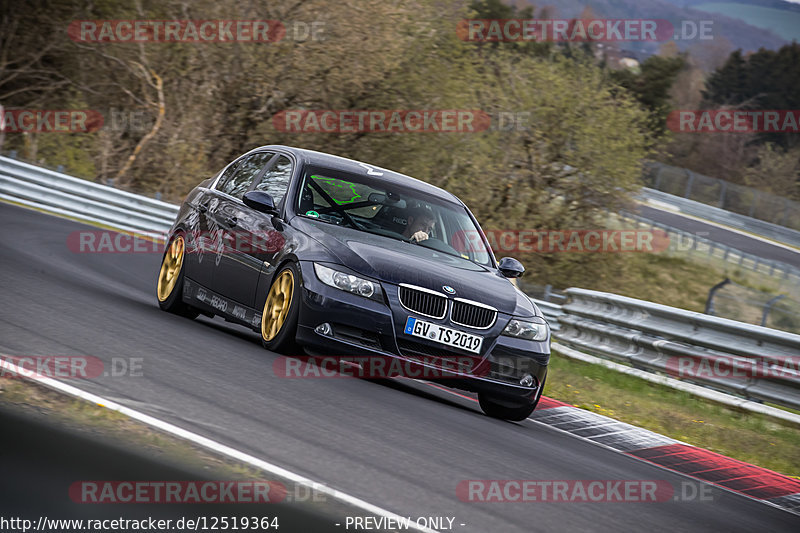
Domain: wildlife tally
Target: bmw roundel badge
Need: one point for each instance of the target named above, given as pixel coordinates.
(448, 289)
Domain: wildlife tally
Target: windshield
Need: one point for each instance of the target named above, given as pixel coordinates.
(372, 206)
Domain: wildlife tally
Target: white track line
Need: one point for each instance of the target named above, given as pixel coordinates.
(213, 445)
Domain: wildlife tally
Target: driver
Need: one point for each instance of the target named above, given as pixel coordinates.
(420, 224)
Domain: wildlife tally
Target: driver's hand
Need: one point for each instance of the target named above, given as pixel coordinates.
(419, 236)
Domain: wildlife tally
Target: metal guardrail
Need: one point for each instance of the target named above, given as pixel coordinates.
(754, 362)
(690, 242)
(646, 335)
(552, 313)
(43, 188)
(736, 205)
(727, 218)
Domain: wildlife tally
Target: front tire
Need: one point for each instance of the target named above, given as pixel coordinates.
(505, 410)
(169, 289)
(279, 317)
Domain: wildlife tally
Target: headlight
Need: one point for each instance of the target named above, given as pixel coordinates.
(347, 282)
(534, 329)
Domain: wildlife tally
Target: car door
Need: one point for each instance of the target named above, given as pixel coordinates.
(200, 242)
(250, 238)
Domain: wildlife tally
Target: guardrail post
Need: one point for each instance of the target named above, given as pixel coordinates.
(710, 301)
(657, 185)
(768, 308)
(753, 205)
(690, 178)
(785, 214)
(722, 190)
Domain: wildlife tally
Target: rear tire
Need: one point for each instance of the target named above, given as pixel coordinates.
(169, 289)
(504, 410)
(281, 308)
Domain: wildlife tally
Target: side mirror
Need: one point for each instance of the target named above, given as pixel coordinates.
(260, 201)
(510, 267)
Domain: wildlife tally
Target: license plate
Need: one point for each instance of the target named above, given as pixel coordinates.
(443, 335)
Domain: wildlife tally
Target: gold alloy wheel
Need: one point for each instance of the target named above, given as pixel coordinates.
(276, 308)
(170, 268)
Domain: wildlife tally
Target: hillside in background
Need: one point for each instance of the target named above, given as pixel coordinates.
(780, 21)
(738, 33)
(783, 5)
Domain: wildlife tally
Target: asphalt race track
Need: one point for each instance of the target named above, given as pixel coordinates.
(740, 241)
(401, 445)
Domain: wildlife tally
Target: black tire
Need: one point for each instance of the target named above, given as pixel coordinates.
(174, 303)
(284, 341)
(505, 410)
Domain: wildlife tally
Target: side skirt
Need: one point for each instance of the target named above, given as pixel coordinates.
(208, 301)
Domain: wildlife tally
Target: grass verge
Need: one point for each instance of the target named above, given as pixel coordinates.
(745, 436)
(115, 428)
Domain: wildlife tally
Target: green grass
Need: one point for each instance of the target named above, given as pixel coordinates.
(745, 436)
(676, 281)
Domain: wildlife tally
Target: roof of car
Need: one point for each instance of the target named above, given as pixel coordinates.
(356, 167)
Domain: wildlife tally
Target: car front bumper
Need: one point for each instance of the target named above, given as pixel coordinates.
(361, 328)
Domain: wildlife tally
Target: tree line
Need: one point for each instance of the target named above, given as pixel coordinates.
(565, 144)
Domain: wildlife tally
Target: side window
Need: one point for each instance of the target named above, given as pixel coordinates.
(226, 176)
(276, 180)
(242, 177)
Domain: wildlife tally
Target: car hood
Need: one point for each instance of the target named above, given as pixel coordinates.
(394, 261)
